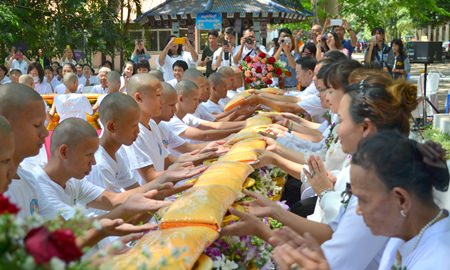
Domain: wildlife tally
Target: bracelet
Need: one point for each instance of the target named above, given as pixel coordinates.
(325, 192)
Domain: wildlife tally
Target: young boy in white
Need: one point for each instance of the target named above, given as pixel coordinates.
(24, 109)
(70, 104)
(196, 132)
(119, 115)
(218, 90)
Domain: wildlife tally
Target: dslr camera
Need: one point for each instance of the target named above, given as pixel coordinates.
(249, 41)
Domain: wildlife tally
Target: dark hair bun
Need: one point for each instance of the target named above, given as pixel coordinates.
(405, 95)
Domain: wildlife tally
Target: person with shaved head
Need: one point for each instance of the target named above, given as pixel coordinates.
(202, 131)
(113, 79)
(7, 168)
(70, 104)
(24, 109)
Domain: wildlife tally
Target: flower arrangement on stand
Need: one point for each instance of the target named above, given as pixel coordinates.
(250, 252)
(34, 244)
(260, 70)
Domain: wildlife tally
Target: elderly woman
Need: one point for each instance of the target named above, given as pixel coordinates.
(393, 178)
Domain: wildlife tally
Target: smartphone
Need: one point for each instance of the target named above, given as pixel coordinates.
(336, 22)
(179, 41)
(225, 42)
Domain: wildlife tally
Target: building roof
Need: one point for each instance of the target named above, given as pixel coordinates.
(184, 7)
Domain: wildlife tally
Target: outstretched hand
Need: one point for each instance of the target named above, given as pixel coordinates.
(248, 224)
(180, 171)
(117, 227)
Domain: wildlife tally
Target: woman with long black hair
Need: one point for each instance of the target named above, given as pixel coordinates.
(398, 61)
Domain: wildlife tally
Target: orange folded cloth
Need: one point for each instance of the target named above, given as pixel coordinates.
(200, 205)
(177, 248)
(236, 101)
(231, 174)
(258, 120)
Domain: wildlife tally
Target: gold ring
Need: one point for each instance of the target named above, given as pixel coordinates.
(294, 266)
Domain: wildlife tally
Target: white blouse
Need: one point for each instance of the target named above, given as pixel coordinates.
(431, 252)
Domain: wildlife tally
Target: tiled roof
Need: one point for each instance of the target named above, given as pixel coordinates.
(183, 7)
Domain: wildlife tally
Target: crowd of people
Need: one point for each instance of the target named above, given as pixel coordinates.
(360, 192)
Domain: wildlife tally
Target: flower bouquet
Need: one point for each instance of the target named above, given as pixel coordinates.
(34, 244)
(260, 70)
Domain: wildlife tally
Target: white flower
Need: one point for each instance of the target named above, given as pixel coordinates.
(222, 263)
(57, 264)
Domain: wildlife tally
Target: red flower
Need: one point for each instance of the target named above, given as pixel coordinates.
(269, 82)
(288, 73)
(258, 70)
(262, 55)
(248, 80)
(44, 245)
(278, 71)
(271, 60)
(6, 207)
(240, 67)
(248, 59)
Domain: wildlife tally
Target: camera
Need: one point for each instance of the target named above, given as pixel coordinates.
(226, 54)
(324, 37)
(286, 40)
(336, 22)
(249, 41)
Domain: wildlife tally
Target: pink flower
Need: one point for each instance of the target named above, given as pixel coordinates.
(264, 60)
(256, 59)
(254, 79)
(247, 73)
(269, 75)
(270, 67)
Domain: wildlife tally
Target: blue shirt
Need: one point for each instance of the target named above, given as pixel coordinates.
(347, 43)
(290, 81)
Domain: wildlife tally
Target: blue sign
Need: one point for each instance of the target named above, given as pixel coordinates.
(209, 21)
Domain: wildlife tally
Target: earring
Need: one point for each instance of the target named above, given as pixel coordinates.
(402, 213)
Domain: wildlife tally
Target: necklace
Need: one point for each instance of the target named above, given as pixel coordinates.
(398, 261)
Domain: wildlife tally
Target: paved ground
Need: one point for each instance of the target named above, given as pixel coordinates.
(443, 69)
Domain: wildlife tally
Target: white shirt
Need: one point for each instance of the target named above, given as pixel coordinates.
(43, 88)
(170, 139)
(431, 251)
(22, 65)
(167, 67)
(61, 88)
(147, 150)
(173, 82)
(5, 80)
(352, 245)
(249, 52)
(203, 113)
(224, 63)
(111, 174)
(27, 194)
(75, 192)
(212, 107)
(54, 82)
(72, 105)
(308, 92)
(93, 80)
(311, 103)
(178, 126)
(98, 89)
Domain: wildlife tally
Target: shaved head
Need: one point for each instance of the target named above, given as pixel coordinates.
(69, 79)
(226, 71)
(185, 88)
(114, 106)
(216, 79)
(158, 74)
(142, 82)
(168, 90)
(192, 74)
(15, 98)
(71, 132)
(5, 127)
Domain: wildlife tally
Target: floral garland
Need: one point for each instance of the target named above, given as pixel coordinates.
(250, 252)
(32, 243)
(259, 71)
(330, 139)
